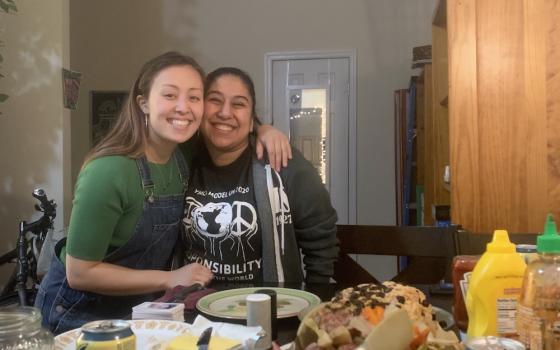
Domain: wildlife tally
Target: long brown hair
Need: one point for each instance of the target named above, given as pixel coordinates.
(129, 134)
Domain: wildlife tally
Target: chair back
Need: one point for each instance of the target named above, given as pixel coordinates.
(431, 250)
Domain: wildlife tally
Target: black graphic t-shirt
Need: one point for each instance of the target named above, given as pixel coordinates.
(221, 225)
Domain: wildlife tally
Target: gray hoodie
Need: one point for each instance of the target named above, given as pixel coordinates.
(297, 219)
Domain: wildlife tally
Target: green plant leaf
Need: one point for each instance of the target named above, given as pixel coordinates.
(8, 5)
(3, 97)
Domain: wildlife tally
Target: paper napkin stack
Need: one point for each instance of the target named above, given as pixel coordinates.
(159, 311)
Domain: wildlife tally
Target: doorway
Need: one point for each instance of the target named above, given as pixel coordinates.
(311, 96)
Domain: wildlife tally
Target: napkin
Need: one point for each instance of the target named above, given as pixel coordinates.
(186, 295)
(248, 336)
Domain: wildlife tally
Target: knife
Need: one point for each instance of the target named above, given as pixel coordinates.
(204, 339)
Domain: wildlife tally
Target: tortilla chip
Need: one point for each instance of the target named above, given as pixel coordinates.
(393, 333)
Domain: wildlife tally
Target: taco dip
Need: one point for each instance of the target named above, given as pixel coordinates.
(387, 316)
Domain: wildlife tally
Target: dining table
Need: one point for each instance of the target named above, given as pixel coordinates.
(287, 327)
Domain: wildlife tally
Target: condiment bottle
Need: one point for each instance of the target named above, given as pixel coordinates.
(494, 289)
(538, 321)
(273, 312)
(462, 269)
(258, 314)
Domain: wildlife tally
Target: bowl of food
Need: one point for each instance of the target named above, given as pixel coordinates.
(387, 316)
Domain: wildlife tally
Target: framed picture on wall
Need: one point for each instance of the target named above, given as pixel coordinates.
(105, 107)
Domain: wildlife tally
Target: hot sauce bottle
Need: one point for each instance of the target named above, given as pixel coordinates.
(462, 268)
(538, 315)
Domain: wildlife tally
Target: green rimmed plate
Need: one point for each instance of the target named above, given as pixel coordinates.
(231, 303)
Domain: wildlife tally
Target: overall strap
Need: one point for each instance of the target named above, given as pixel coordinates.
(146, 178)
(183, 167)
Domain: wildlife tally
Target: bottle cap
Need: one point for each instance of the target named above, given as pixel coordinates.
(549, 241)
(500, 243)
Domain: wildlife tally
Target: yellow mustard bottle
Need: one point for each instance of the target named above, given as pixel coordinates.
(494, 289)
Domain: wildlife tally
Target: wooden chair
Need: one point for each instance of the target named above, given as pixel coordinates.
(431, 250)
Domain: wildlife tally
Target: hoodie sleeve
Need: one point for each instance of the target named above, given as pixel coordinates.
(314, 219)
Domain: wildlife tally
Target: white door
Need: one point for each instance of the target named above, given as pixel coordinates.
(310, 100)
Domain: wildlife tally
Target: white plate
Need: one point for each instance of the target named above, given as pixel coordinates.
(230, 304)
(150, 334)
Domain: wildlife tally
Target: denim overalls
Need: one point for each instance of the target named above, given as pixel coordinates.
(150, 247)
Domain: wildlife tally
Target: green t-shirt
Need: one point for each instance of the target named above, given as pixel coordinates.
(108, 202)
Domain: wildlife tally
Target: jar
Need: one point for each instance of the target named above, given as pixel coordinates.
(20, 328)
(527, 251)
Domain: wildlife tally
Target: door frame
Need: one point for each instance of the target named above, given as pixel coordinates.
(350, 54)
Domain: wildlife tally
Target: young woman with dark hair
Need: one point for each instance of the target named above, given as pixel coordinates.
(244, 220)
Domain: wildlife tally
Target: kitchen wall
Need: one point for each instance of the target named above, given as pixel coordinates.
(34, 126)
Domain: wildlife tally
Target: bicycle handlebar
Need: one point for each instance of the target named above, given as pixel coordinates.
(47, 206)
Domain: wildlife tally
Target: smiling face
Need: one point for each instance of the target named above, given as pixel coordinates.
(228, 118)
(174, 106)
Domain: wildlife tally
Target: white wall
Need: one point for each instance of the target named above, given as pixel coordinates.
(34, 126)
(111, 39)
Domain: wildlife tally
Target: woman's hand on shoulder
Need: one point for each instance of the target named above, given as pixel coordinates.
(190, 274)
(277, 146)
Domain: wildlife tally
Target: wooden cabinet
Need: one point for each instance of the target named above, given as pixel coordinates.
(504, 112)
